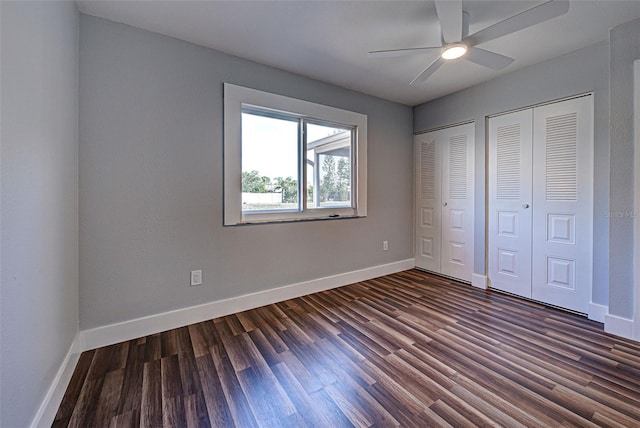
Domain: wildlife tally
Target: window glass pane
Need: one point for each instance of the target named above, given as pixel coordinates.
(310, 176)
(269, 163)
(329, 151)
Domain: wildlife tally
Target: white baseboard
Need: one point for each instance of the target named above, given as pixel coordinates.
(619, 326)
(49, 407)
(597, 312)
(131, 329)
(479, 281)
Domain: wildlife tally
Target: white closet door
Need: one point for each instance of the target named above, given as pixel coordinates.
(444, 201)
(563, 203)
(428, 212)
(510, 200)
(457, 201)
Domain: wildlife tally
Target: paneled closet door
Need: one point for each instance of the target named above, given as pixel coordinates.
(444, 201)
(457, 201)
(428, 212)
(563, 203)
(510, 200)
(541, 203)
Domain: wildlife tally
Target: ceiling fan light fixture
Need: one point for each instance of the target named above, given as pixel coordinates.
(454, 50)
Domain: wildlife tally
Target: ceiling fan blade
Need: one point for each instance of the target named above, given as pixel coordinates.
(533, 16)
(428, 71)
(450, 16)
(389, 53)
(488, 59)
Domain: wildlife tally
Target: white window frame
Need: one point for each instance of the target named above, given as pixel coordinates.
(237, 97)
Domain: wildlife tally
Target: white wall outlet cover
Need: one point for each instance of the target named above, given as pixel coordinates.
(196, 277)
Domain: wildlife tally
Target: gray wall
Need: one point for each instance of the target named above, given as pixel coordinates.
(39, 194)
(150, 147)
(625, 49)
(585, 70)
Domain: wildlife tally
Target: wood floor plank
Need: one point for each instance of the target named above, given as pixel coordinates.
(341, 354)
(195, 410)
(265, 347)
(350, 407)
(173, 411)
(529, 395)
(188, 372)
(151, 407)
(109, 397)
(152, 348)
(169, 343)
(131, 394)
(215, 399)
(266, 382)
(330, 409)
(232, 391)
(85, 408)
(74, 388)
(303, 402)
(410, 349)
(129, 419)
(498, 409)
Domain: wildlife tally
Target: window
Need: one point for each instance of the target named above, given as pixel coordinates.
(286, 159)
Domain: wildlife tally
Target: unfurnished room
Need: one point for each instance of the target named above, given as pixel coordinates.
(320, 213)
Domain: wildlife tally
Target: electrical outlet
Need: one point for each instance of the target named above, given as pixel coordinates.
(196, 277)
(385, 245)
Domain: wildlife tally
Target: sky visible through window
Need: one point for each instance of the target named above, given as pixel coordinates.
(269, 145)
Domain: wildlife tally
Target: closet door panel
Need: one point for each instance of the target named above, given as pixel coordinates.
(457, 201)
(428, 212)
(563, 203)
(510, 202)
(444, 201)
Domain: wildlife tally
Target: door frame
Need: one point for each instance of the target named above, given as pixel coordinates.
(636, 191)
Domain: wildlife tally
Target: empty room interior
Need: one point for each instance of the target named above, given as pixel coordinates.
(320, 213)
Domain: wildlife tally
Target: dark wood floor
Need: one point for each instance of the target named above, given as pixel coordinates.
(409, 349)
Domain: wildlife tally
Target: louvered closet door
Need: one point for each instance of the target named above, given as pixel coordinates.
(510, 200)
(428, 213)
(457, 201)
(444, 201)
(563, 203)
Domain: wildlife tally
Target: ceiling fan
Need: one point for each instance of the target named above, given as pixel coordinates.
(458, 43)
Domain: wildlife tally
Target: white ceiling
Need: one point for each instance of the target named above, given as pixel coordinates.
(329, 40)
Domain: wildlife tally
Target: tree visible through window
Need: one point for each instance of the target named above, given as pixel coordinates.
(329, 147)
(270, 147)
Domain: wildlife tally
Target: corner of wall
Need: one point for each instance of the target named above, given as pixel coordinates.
(618, 326)
(479, 281)
(597, 312)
